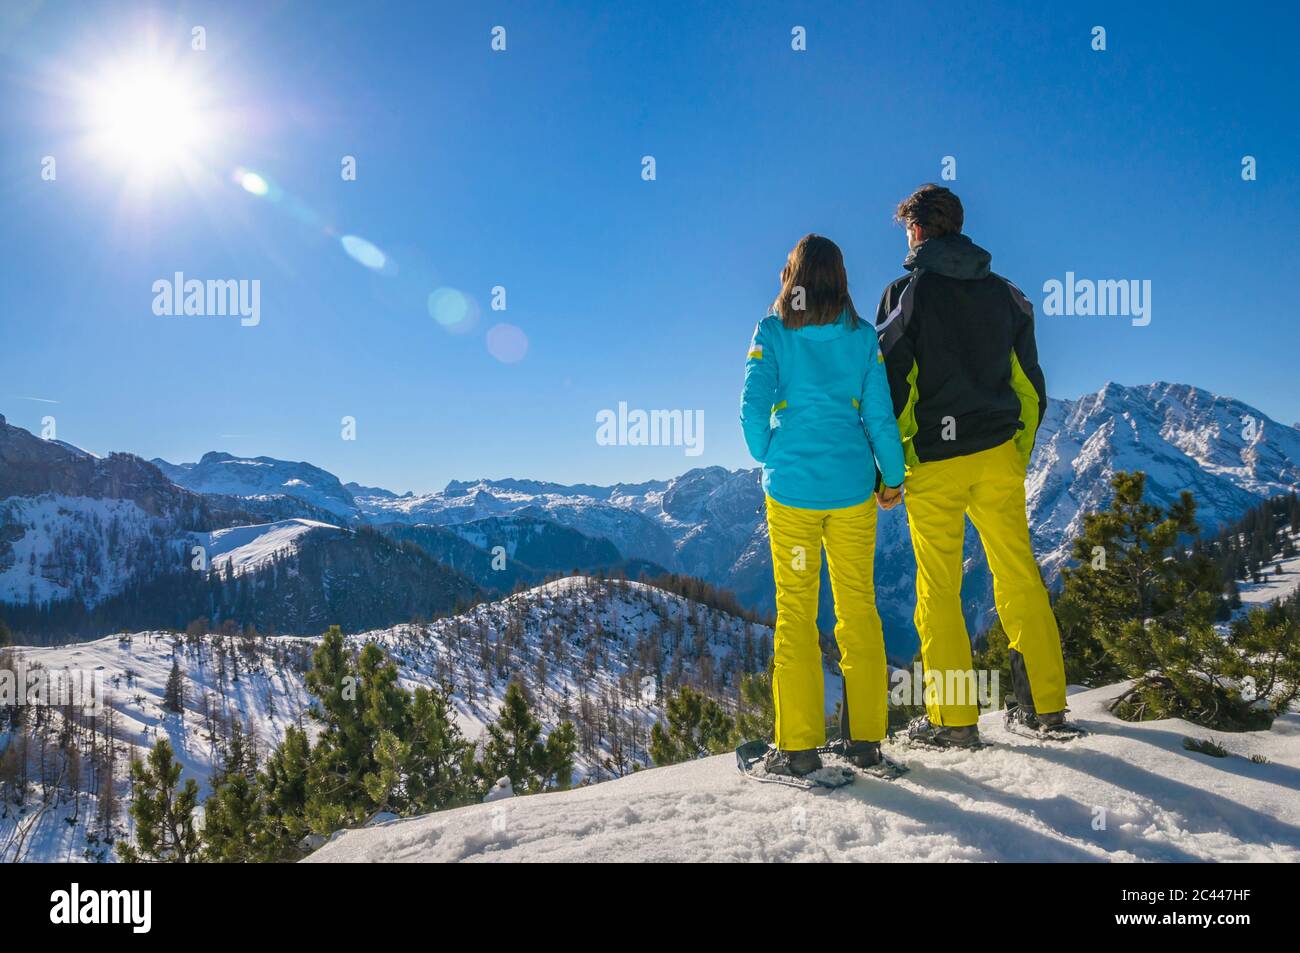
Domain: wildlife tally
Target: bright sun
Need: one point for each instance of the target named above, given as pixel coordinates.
(146, 117)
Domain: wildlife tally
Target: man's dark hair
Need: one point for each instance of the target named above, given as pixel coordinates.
(936, 209)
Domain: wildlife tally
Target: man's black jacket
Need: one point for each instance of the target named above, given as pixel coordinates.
(958, 343)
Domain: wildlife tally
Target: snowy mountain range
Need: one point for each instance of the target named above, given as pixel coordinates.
(68, 529)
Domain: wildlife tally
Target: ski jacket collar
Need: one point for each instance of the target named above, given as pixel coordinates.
(955, 256)
(827, 332)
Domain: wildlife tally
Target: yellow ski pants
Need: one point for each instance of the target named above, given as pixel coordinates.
(989, 487)
(849, 535)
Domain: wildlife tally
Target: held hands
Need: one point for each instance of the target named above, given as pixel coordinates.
(889, 496)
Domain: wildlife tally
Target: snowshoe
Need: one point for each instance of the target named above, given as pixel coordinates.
(867, 758)
(860, 754)
(925, 734)
(793, 763)
(759, 761)
(1023, 720)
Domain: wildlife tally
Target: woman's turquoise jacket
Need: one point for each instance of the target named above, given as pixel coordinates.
(817, 413)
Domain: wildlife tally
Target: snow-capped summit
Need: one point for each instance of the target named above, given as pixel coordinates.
(356, 489)
(226, 474)
(1227, 454)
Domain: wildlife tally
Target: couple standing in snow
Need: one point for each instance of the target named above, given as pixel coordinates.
(936, 410)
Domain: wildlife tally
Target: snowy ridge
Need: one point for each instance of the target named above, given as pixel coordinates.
(245, 548)
(1019, 800)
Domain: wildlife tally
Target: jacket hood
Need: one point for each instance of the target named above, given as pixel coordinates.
(955, 256)
(827, 332)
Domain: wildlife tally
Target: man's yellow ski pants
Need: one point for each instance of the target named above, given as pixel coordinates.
(849, 535)
(989, 487)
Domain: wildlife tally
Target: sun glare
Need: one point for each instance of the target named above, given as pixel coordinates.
(146, 117)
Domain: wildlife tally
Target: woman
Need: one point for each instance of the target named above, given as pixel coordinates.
(817, 414)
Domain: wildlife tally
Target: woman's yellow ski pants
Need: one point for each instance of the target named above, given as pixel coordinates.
(797, 537)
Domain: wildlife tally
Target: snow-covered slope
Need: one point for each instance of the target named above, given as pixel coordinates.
(245, 548)
(585, 649)
(76, 526)
(62, 547)
(260, 685)
(1129, 792)
(1279, 578)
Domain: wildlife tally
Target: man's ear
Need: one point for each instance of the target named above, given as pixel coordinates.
(918, 233)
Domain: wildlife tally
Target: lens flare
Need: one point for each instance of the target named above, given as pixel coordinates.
(453, 310)
(364, 252)
(507, 343)
(253, 183)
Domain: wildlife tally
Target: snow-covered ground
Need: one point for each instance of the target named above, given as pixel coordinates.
(1279, 579)
(264, 690)
(1128, 792)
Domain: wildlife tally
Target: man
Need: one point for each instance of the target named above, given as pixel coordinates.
(969, 395)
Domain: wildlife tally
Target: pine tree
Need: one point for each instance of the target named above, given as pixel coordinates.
(557, 765)
(163, 810)
(1267, 646)
(362, 706)
(1150, 605)
(755, 712)
(697, 726)
(343, 754)
(384, 784)
(439, 768)
(232, 819)
(1132, 569)
(174, 693)
(282, 787)
(237, 757)
(512, 742)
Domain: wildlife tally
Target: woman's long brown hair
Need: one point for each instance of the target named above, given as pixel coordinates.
(816, 266)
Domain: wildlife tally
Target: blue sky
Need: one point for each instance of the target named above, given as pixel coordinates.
(523, 169)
